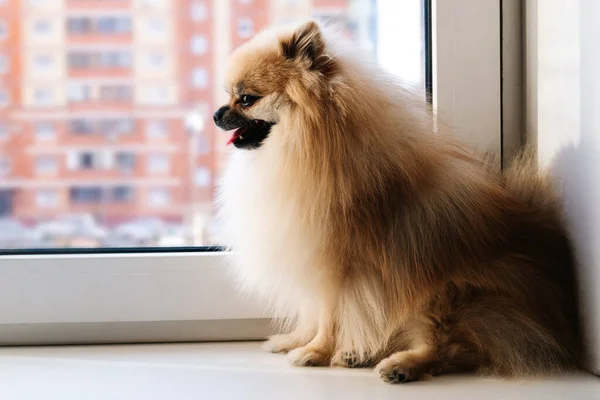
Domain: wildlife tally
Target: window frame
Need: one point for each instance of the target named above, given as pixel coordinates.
(55, 296)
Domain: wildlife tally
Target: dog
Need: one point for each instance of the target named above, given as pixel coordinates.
(381, 242)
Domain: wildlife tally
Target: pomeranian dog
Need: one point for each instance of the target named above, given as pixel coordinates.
(380, 242)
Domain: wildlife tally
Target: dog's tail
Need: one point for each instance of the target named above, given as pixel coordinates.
(524, 178)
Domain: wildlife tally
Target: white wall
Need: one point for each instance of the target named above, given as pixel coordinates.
(563, 113)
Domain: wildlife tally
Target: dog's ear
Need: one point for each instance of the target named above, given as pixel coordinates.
(306, 45)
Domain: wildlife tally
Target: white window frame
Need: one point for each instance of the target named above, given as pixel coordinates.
(186, 295)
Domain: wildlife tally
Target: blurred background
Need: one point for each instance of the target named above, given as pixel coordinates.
(106, 135)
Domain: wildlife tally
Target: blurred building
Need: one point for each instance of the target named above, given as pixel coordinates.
(105, 105)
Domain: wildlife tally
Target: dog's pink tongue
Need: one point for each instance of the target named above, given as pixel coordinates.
(236, 134)
(232, 138)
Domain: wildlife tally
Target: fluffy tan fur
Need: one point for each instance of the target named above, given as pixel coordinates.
(384, 243)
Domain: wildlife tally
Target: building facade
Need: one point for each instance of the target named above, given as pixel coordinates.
(105, 105)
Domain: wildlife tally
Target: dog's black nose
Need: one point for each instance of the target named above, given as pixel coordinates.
(219, 114)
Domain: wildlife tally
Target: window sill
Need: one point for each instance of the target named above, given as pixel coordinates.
(235, 371)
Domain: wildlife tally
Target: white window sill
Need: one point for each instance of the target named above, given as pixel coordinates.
(235, 371)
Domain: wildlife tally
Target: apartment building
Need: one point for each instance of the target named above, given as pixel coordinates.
(105, 105)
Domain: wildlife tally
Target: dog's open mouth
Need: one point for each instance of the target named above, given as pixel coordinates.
(250, 136)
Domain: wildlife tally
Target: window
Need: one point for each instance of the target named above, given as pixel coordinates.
(91, 194)
(44, 131)
(4, 97)
(4, 64)
(198, 11)
(125, 161)
(107, 190)
(43, 62)
(42, 27)
(79, 92)
(46, 198)
(113, 24)
(199, 44)
(159, 197)
(156, 27)
(4, 131)
(3, 30)
(245, 28)
(5, 166)
(107, 127)
(123, 194)
(44, 97)
(115, 93)
(203, 145)
(87, 160)
(156, 95)
(156, 60)
(202, 177)
(99, 59)
(200, 78)
(158, 163)
(46, 165)
(99, 25)
(156, 129)
(79, 25)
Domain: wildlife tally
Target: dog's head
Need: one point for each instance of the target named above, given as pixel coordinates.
(267, 77)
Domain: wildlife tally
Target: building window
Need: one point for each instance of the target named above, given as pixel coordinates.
(44, 131)
(87, 160)
(158, 163)
(159, 197)
(81, 59)
(245, 28)
(46, 165)
(156, 129)
(46, 198)
(79, 25)
(4, 98)
(200, 78)
(81, 126)
(42, 27)
(202, 177)
(43, 97)
(156, 60)
(113, 24)
(199, 44)
(5, 166)
(4, 64)
(157, 95)
(115, 93)
(4, 131)
(156, 27)
(125, 161)
(203, 145)
(43, 62)
(36, 3)
(117, 126)
(89, 194)
(79, 92)
(198, 11)
(123, 194)
(3, 29)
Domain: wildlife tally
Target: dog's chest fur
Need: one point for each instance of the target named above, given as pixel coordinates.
(276, 254)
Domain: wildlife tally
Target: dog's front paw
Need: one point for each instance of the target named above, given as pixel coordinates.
(308, 356)
(282, 343)
(393, 372)
(349, 359)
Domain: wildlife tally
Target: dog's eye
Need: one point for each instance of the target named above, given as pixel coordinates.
(247, 100)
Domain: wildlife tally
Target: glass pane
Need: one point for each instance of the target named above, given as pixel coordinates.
(106, 134)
